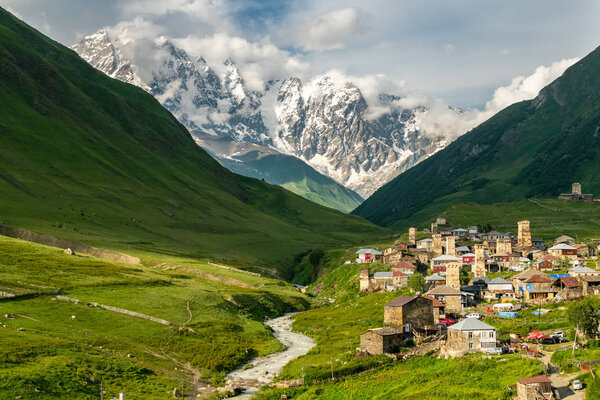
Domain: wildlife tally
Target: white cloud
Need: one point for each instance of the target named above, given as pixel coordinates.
(331, 30)
(257, 62)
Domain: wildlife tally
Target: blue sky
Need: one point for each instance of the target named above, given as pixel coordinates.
(460, 51)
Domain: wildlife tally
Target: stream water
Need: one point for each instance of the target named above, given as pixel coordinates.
(264, 369)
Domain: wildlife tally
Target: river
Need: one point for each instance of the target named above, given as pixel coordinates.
(265, 369)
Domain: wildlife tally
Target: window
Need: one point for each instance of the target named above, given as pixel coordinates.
(482, 334)
(470, 346)
(470, 335)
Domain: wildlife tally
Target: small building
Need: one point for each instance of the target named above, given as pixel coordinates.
(439, 309)
(405, 267)
(409, 313)
(563, 250)
(518, 280)
(538, 243)
(468, 258)
(383, 281)
(493, 236)
(543, 265)
(576, 194)
(499, 289)
(386, 340)
(564, 239)
(439, 263)
(461, 232)
(539, 289)
(368, 256)
(470, 336)
(585, 251)
(536, 388)
(590, 284)
(452, 298)
(460, 250)
(473, 230)
(567, 288)
(435, 280)
(426, 244)
(580, 270)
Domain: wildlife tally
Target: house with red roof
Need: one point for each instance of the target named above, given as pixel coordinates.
(535, 388)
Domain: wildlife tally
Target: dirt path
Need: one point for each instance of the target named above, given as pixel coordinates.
(561, 382)
(265, 369)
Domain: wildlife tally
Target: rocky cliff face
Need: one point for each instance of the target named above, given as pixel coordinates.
(323, 122)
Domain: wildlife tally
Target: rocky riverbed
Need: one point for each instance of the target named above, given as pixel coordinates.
(264, 369)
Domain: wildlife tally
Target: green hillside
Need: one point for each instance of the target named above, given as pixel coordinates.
(55, 349)
(297, 177)
(89, 158)
(532, 149)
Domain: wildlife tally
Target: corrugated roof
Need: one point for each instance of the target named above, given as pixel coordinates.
(535, 379)
(401, 301)
(580, 269)
(539, 278)
(444, 291)
(405, 265)
(383, 274)
(471, 324)
(570, 281)
(468, 255)
(369, 251)
(528, 273)
(562, 246)
(499, 280)
(385, 331)
(447, 257)
(434, 278)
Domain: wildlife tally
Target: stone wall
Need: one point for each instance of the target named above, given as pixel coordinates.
(524, 234)
(436, 245)
(479, 264)
(418, 313)
(412, 236)
(373, 343)
(451, 246)
(503, 246)
(453, 275)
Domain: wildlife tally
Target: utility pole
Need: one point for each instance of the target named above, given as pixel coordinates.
(101, 391)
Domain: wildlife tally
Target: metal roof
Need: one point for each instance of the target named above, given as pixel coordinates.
(562, 246)
(434, 277)
(471, 324)
(383, 274)
(369, 251)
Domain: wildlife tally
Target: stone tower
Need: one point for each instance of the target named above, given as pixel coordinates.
(453, 275)
(451, 246)
(524, 234)
(412, 236)
(479, 265)
(364, 280)
(436, 245)
(503, 246)
(576, 188)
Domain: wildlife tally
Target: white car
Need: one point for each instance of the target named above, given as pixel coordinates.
(495, 350)
(577, 385)
(558, 334)
(474, 315)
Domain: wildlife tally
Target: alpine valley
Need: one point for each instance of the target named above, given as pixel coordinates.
(324, 122)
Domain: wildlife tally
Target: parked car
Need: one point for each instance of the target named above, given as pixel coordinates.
(474, 315)
(577, 385)
(558, 334)
(495, 350)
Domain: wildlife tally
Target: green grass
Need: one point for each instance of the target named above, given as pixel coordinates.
(92, 159)
(227, 308)
(424, 378)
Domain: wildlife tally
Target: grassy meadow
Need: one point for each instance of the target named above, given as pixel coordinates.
(55, 349)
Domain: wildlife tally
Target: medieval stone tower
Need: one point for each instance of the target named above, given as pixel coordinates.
(412, 236)
(451, 246)
(479, 265)
(453, 275)
(436, 245)
(524, 234)
(503, 246)
(364, 280)
(576, 188)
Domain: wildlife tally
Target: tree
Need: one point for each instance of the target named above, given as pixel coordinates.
(585, 316)
(416, 282)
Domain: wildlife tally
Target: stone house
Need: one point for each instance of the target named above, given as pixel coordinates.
(567, 288)
(469, 336)
(409, 313)
(426, 244)
(439, 309)
(564, 239)
(493, 235)
(543, 265)
(405, 267)
(394, 254)
(434, 280)
(384, 281)
(498, 289)
(585, 251)
(539, 289)
(580, 270)
(452, 298)
(590, 284)
(536, 388)
(518, 280)
(368, 256)
(386, 340)
(438, 264)
(562, 251)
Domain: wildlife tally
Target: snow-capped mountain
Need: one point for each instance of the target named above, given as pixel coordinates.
(323, 122)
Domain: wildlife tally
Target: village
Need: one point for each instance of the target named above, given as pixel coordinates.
(468, 276)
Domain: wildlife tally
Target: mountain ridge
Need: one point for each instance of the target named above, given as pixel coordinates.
(534, 148)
